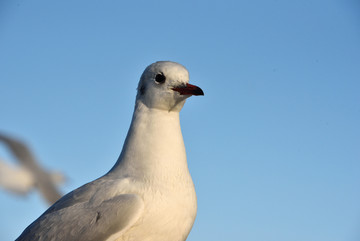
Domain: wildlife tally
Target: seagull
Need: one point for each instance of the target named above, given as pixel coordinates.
(29, 174)
(20, 180)
(148, 195)
(16, 180)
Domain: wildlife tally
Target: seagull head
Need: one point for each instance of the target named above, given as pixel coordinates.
(165, 85)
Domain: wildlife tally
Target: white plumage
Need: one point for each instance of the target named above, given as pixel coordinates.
(149, 194)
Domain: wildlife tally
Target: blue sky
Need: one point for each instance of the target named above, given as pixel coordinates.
(273, 146)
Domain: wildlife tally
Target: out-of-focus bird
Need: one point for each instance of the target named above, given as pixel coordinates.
(28, 175)
(20, 180)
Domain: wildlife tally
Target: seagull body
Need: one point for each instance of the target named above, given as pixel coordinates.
(149, 194)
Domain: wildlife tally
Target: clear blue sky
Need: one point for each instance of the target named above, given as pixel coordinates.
(274, 145)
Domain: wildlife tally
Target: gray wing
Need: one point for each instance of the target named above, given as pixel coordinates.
(82, 221)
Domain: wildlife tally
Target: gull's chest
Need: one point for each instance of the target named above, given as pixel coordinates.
(169, 214)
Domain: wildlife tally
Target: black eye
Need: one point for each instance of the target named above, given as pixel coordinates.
(160, 78)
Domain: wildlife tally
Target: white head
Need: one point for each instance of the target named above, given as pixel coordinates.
(165, 85)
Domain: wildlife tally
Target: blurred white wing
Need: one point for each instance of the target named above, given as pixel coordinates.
(17, 180)
(29, 171)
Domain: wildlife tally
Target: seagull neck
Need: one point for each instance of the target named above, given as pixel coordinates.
(154, 144)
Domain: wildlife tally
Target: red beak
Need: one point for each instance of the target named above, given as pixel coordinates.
(189, 89)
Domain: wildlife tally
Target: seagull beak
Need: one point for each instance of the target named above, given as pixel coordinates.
(189, 89)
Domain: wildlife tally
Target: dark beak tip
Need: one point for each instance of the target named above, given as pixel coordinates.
(200, 92)
(189, 89)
